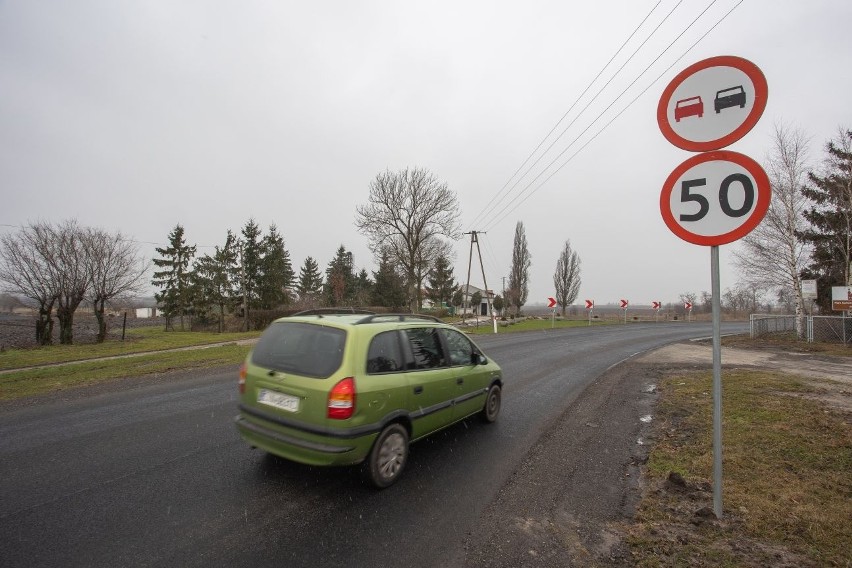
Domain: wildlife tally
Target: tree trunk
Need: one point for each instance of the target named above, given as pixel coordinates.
(221, 317)
(98, 307)
(44, 324)
(66, 325)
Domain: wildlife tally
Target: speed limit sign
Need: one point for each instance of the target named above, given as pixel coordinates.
(715, 198)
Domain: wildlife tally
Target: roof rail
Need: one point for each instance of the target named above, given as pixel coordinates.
(332, 311)
(398, 317)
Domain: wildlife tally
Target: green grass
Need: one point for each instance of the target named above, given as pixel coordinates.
(137, 340)
(786, 474)
(39, 381)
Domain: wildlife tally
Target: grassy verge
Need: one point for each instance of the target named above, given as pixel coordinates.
(787, 489)
(137, 341)
(39, 381)
(788, 343)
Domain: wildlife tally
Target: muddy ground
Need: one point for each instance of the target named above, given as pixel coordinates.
(572, 501)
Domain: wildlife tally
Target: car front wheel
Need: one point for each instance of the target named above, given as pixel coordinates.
(492, 404)
(388, 457)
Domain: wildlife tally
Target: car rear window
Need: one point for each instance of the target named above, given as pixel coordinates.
(300, 349)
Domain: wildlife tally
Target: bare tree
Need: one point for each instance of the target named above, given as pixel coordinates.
(25, 271)
(406, 212)
(68, 268)
(773, 254)
(114, 268)
(566, 279)
(519, 273)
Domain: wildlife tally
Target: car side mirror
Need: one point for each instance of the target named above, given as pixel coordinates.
(478, 359)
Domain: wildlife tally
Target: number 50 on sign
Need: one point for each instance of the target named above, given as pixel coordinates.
(715, 198)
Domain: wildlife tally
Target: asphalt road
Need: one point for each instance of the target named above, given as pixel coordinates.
(139, 474)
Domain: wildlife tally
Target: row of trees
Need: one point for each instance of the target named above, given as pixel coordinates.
(252, 273)
(807, 231)
(58, 266)
(566, 277)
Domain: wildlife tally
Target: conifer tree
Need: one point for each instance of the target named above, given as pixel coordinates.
(831, 218)
(215, 277)
(389, 286)
(339, 279)
(442, 283)
(276, 271)
(309, 286)
(174, 276)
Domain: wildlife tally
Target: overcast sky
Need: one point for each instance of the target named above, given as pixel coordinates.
(136, 116)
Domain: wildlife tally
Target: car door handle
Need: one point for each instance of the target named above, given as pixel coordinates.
(418, 390)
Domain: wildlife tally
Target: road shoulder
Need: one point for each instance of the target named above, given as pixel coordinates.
(563, 505)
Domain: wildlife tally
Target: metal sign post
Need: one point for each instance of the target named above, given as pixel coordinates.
(716, 197)
(717, 381)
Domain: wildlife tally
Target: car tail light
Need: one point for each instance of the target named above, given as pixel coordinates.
(341, 399)
(242, 380)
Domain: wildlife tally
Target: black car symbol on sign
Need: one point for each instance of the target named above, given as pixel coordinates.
(733, 96)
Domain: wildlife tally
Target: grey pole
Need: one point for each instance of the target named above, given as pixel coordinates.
(717, 382)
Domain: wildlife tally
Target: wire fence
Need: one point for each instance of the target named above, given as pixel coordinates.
(830, 329)
(823, 329)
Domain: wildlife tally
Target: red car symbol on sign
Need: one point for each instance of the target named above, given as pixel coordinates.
(728, 82)
(692, 106)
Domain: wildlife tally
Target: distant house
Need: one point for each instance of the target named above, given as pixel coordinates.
(482, 309)
(146, 312)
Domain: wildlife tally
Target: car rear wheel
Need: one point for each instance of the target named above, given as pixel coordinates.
(388, 457)
(492, 404)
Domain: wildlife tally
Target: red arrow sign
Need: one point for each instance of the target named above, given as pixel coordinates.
(624, 304)
(657, 305)
(687, 305)
(590, 304)
(551, 302)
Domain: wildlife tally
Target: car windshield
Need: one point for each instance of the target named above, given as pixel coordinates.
(300, 349)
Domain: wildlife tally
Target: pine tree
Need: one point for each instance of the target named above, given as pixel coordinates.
(309, 286)
(339, 279)
(214, 277)
(389, 287)
(363, 288)
(442, 283)
(831, 218)
(175, 276)
(276, 271)
(251, 269)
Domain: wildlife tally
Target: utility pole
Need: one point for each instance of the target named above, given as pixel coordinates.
(474, 238)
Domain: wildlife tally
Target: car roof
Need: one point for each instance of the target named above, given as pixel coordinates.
(350, 320)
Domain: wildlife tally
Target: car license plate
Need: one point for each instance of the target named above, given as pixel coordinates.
(278, 400)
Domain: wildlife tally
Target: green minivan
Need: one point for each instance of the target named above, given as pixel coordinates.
(342, 389)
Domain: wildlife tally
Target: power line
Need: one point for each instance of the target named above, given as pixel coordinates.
(651, 84)
(506, 209)
(496, 199)
(593, 99)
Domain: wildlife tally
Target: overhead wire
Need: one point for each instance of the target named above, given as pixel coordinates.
(594, 98)
(500, 215)
(651, 84)
(496, 200)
